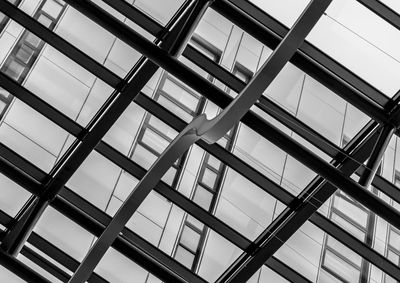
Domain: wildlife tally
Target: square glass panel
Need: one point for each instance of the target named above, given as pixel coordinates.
(33, 39)
(154, 140)
(180, 94)
(209, 178)
(190, 238)
(203, 197)
(394, 239)
(53, 8)
(340, 267)
(14, 70)
(184, 256)
(24, 53)
(44, 20)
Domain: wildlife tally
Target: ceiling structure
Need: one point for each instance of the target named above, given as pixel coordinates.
(360, 156)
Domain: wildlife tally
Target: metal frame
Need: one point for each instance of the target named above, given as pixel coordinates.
(49, 189)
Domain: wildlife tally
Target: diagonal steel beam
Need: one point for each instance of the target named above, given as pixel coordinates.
(201, 128)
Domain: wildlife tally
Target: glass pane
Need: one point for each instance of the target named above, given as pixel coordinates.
(180, 94)
(203, 197)
(339, 266)
(209, 178)
(190, 238)
(154, 140)
(184, 256)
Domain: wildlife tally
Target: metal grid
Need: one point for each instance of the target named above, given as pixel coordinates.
(49, 189)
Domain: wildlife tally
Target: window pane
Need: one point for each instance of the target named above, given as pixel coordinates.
(209, 178)
(154, 140)
(184, 256)
(190, 238)
(202, 197)
(341, 268)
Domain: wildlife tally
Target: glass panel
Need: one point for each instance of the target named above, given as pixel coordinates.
(344, 251)
(180, 94)
(356, 213)
(209, 178)
(190, 238)
(115, 267)
(218, 255)
(154, 140)
(143, 157)
(54, 227)
(24, 54)
(14, 70)
(213, 162)
(52, 8)
(160, 10)
(394, 239)
(338, 266)
(203, 197)
(13, 196)
(196, 223)
(286, 11)
(184, 256)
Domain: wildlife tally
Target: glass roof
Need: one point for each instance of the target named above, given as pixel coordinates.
(101, 179)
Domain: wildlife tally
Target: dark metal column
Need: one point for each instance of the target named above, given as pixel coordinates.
(376, 156)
